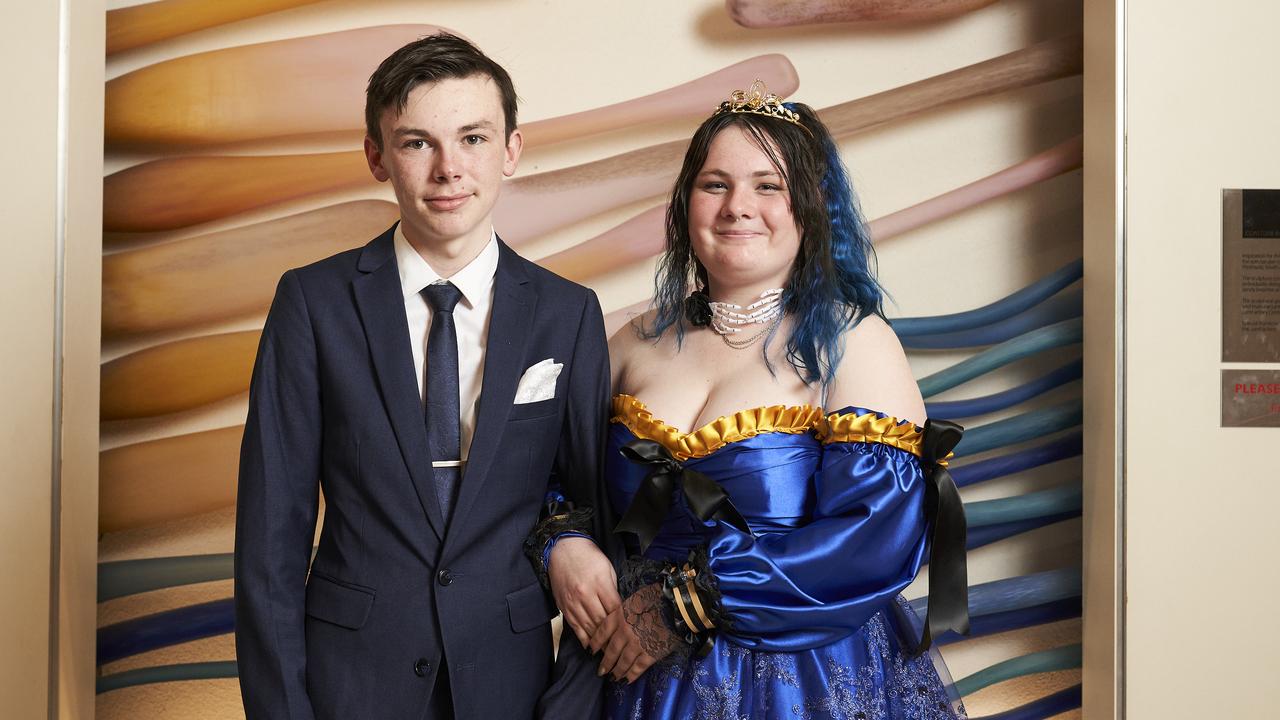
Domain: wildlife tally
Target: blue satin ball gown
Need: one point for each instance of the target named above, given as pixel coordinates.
(818, 630)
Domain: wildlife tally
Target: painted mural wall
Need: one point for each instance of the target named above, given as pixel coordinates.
(233, 134)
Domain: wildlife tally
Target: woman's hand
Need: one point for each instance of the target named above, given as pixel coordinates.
(635, 636)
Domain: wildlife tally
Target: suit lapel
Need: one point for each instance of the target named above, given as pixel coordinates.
(380, 300)
(510, 324)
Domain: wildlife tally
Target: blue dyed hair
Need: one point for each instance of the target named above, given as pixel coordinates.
(832, 284)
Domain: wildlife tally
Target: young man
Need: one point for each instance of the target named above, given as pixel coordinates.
(436, 386)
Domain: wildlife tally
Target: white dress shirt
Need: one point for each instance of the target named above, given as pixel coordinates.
(470, 318)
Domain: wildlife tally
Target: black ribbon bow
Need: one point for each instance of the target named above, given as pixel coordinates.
(652, 501)
(948, 574)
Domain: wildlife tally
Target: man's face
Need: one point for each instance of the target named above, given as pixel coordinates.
(445, 155)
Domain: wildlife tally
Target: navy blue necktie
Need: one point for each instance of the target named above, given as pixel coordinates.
(442, 418)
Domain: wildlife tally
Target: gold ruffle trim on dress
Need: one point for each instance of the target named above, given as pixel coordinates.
(848, 427)
(725, 429)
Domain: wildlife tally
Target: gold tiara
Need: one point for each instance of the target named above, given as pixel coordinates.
(757, 100)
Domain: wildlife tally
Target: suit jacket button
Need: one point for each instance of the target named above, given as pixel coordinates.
(422, 667)
(444, 577)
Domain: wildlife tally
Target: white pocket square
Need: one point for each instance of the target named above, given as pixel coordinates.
(538, 382)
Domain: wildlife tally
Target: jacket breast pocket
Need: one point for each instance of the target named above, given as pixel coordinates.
(533, 410)
(337, 602)
(529, 608)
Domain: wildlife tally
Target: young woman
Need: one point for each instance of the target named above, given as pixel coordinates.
(771, 540)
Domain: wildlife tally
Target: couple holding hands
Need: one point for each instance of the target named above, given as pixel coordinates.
(488, 460)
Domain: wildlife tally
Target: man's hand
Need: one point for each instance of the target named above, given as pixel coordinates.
(584, 585)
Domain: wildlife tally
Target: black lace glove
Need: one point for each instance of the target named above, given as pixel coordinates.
(673, 609)
(645, 612)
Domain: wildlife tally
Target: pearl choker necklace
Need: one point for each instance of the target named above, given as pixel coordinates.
(729, 319)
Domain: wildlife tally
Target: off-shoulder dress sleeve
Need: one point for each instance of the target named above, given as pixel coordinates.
(864, 544)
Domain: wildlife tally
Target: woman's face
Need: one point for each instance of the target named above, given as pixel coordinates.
(740, 220)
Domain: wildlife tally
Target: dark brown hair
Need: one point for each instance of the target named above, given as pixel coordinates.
(832, 284)
(796, 157)
(430, 59)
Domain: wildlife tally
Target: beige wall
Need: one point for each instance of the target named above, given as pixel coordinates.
(82, 346)
(1202, 115)
(27, 203)
(50, 199)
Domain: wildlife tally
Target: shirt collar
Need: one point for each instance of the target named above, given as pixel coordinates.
(474, 280)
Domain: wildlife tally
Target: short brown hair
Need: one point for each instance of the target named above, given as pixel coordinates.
(430, 59)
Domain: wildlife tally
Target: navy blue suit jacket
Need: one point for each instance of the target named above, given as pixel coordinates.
(392, 592)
